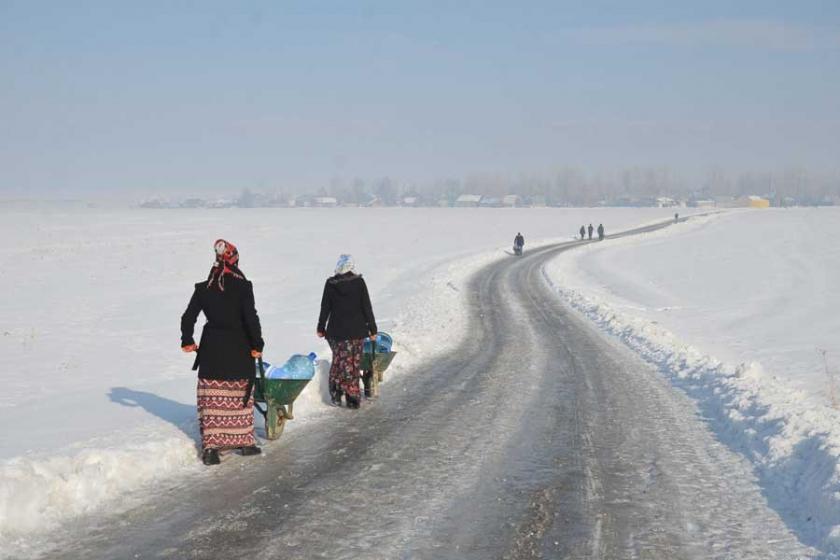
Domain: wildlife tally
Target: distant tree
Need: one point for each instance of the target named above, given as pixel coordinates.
(360, 194)
(386, 192)
(246, 199)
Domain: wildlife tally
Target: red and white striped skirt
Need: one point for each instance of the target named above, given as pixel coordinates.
(223, 421)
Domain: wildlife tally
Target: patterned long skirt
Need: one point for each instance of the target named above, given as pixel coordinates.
(344, 371)
(222, 419)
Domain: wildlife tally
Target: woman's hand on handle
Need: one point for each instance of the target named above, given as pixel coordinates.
(189, 348)
(320, 334)
(256, 354)
(373, 337)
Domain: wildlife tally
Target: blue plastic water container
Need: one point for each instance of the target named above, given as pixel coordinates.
(296, 367)
(383, 343)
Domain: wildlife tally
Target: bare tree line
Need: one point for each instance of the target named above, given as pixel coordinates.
(574, 187)
(566, 186)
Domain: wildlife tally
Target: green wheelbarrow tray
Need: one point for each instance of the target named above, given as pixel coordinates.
(278, 396)
(381, 361)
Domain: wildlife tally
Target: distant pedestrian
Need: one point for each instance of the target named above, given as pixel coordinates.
(346, 319)
(600, 232)
(582, 233)
(590, 229)
(230, 341)
(518, 243)
(676, 218)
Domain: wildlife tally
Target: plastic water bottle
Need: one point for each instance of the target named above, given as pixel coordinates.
(383, 344)
(296, 367)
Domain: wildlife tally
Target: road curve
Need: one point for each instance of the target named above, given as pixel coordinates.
(537, 438)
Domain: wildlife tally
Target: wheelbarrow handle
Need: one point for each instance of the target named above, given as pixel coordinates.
(250, 387)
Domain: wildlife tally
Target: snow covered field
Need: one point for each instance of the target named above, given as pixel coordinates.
(736, 309)
(97, 398)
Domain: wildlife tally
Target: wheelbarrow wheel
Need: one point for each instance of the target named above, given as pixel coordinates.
(371, 383)
(275, 421)
(281, 425)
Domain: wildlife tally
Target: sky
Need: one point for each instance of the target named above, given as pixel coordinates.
(156, 97)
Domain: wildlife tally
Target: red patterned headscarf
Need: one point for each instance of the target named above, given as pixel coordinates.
(227, 262)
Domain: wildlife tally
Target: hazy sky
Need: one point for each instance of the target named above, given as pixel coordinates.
(151, 96)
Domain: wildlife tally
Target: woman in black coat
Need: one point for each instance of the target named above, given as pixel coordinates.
(230, 341)
(346, 319)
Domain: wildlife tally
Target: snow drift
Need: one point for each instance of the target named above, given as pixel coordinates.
(683, 283)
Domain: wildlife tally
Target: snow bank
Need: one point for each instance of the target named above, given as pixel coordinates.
(35, 493)
(98, 401)
(679, 310)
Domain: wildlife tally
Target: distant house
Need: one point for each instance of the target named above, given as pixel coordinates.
(758, 202)
(302, 201)
(468, 201)
(754, 202)
(192, 203)
(221, 203)
(156, 203)
(747, 202)
(410, 201)
(490, 202)
(665, 202)
(512, 200)
(702, 203)
(325, 202)
(277, 201)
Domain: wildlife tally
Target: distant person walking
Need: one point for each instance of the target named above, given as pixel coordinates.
(582, 233)
(600, 232)
(346, 319)
(676, 218)
(518, 243)
(230, 341)
(590, 229)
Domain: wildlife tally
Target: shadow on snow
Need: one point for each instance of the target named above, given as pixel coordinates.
(180, 415)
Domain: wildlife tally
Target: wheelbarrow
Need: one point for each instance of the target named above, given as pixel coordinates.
(376, 358)
(277, 395)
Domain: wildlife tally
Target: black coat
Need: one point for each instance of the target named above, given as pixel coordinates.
(346, 313)
(232, 329)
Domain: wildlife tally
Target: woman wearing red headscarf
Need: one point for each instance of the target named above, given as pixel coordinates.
(230, 341)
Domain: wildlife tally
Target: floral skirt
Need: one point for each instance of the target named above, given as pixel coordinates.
(222, 419)
(344, 371)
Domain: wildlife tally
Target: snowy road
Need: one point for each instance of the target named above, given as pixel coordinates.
(539, 438)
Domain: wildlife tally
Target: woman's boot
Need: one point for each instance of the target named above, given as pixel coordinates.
(367, 381)
(211, 457)
(335, 394)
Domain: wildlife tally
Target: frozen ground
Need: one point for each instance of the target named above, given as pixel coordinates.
(535, 437)
(734, 309)
(98, 400)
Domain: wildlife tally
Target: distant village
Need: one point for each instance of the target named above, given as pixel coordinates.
(470, 200)
(569, 188)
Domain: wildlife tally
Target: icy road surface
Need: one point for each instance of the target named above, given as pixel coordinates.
(539, 438)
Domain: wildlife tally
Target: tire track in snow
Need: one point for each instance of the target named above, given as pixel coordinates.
(537, 438)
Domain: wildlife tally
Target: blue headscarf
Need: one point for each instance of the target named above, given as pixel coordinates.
(345, 264)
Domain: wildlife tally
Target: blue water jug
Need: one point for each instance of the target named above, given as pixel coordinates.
(296, 367)
(383, 344)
